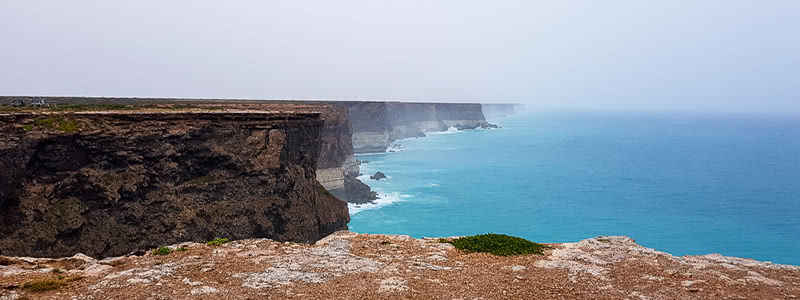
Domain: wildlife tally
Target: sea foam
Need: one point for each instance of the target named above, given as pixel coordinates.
(384, 199)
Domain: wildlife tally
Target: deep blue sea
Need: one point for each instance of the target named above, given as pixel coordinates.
(681, 183)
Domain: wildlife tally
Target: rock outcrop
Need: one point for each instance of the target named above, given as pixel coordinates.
(348, 265)
(108, 183)
(378, 176)
(377, 124)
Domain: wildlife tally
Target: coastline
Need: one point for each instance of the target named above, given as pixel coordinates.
(388, 198)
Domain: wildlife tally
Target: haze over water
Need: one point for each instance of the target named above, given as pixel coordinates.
(680, 183)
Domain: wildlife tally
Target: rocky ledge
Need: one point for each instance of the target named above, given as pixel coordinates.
(348, 265)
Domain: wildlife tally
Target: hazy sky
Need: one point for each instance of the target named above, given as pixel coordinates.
(724, 55)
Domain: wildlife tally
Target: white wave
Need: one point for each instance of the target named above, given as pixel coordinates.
(450, 130)
(384, 199)
(395, 148)
(432, 185)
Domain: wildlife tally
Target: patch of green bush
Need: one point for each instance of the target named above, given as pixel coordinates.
(497, 244)
(162, 251)
(60, 124)
(67, 126)
(45, 122)
(218, 242)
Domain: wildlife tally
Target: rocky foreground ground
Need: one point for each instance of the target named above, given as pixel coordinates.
(347, 265)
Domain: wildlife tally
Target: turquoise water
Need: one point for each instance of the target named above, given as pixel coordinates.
(684, 184)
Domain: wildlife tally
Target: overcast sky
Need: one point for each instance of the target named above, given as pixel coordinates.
(724, 55)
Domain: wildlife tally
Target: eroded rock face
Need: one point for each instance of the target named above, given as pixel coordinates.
(112, 183)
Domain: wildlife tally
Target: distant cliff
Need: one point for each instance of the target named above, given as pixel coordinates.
(377, 124)
(493, 110)
(108, 183)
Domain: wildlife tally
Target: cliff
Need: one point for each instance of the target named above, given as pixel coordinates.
(108, 183)
(500, 110)
(347, 265)
(377, 124)
(336, 170)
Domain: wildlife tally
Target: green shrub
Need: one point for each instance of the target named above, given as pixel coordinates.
(60, 124)
(27, 127)
(181, 249)
(45, 122)
(67, 126)
(162, 251)
(218, 242)
(497, 244)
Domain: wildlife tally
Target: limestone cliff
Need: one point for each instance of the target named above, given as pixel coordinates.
(108, 183)
(500, 110)
(377, 124)
(336, 166)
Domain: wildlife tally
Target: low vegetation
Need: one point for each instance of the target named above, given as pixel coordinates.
(497, 244)
(218, 242)
(58, 124)
(162, 251)
(48, 284)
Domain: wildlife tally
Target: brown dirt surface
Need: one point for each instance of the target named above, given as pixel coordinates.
(348, 265)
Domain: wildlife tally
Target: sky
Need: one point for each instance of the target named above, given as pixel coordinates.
(685, 55)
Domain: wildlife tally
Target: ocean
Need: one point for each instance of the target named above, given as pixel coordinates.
(682, 183)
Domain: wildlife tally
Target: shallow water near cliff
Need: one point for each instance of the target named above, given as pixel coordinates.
(680, 183)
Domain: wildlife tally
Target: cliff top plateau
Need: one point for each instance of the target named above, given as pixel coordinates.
(348, 265)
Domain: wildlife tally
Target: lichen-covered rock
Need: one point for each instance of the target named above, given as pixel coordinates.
(112, 183)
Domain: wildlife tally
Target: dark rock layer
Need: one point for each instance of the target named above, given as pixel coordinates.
(109, 184)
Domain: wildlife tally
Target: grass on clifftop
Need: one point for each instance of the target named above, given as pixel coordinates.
(59, 124)
(162, 251)
(218, 242)
(497, 244)
(49, 284)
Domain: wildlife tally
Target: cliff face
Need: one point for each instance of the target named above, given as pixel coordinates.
(105, 184)
(336, 167)
(377, 124)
